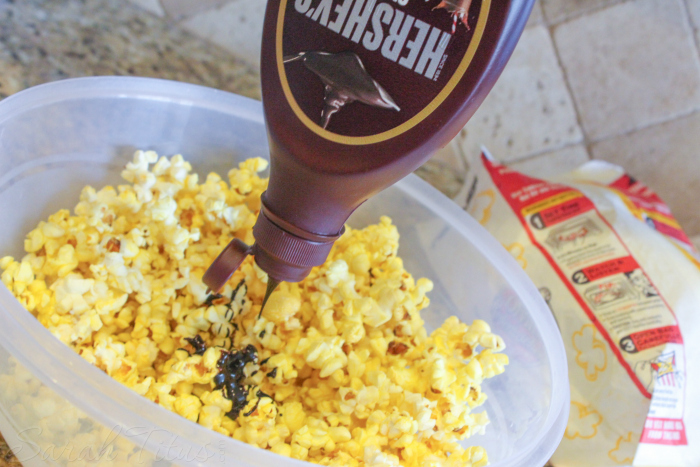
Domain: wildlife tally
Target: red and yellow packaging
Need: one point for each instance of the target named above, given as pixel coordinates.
(623, 282)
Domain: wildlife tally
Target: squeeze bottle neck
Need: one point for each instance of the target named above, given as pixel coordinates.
(356, 95)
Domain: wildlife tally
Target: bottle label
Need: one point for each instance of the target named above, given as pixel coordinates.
(363, 71)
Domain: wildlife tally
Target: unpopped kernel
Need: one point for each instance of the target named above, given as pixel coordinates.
(342, 371)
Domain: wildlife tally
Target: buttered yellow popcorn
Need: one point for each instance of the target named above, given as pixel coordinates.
(338, 370)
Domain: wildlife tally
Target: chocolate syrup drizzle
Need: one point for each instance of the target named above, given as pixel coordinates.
(259, 394)
(197, 343)
(231, 376)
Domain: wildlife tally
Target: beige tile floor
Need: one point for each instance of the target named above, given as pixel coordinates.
(617, 80)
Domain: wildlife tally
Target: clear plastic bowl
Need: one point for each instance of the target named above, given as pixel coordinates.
(57, 409)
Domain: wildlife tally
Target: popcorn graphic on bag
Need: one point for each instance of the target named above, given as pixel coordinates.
(590, 352)
(583, 422)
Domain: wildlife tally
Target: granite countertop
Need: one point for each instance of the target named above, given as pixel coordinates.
(48, 40)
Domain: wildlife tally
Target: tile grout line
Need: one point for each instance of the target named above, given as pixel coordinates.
(551, 26)
(579, 120)
(672, 119)
(590, 142)
(580, 14)
(585, 141)
(177, 21)
(693, 32)
(544, 152)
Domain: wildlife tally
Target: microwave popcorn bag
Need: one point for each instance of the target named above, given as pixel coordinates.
(623, 283)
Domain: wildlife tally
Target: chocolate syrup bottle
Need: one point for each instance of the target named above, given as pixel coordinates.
(356, 95)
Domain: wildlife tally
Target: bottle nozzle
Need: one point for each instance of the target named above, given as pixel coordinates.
(272, 284)
(228, 261)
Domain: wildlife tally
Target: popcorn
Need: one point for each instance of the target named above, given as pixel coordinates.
(188, 406)
(345, 373)
(281, 306)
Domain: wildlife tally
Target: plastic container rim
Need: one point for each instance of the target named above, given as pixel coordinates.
(22, 335)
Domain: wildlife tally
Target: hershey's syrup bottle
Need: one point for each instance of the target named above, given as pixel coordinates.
(356, 95)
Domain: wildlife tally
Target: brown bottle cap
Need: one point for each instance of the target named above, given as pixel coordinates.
(226, 264)
(286, 252)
